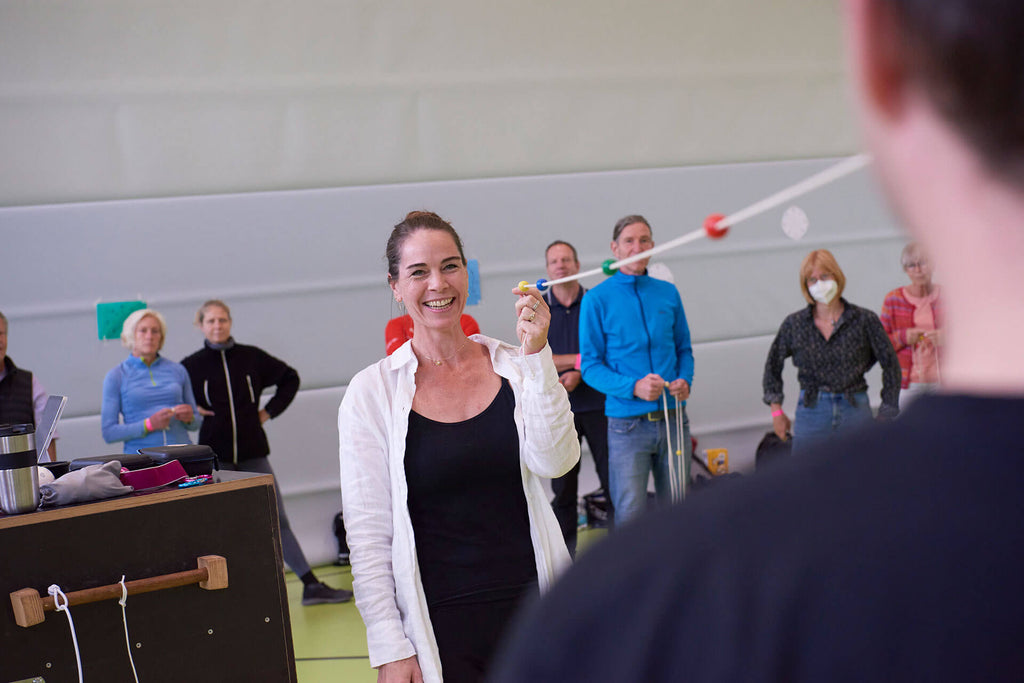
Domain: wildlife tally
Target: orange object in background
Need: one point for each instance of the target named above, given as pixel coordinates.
(718, 460)
(399, 330)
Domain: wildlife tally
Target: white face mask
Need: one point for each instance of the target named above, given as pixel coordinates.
(824, 290)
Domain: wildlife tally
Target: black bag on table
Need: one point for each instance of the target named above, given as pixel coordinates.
(129, 461)
(197, 459)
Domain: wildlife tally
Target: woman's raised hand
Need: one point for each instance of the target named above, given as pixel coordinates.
(533, 317)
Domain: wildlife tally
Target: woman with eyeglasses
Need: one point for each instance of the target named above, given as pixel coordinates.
(833, 344)
(912, 316)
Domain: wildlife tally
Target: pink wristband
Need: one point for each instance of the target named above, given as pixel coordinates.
(148, 427)
(578, 361)
(777, 413)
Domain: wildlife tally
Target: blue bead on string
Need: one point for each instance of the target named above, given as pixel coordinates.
(542, 285)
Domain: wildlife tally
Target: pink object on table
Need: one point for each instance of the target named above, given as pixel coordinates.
(171, 472)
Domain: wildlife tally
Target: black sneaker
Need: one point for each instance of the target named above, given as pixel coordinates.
(320, 593)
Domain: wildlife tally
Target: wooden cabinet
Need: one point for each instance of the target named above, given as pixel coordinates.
(239, 633)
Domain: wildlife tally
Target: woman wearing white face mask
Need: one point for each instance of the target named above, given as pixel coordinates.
(833, 344)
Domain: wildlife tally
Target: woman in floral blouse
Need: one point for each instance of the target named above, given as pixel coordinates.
(912, 316)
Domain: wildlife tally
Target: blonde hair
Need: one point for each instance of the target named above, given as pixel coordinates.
(133, 320)
(207, 305)
(823, 259)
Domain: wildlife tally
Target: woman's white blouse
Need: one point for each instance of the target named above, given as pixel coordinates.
(372, 424)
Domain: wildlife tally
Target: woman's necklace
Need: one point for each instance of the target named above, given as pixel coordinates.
(440, 361)
(831, 317)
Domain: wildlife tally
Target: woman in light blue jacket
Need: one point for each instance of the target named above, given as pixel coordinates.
(147, 399)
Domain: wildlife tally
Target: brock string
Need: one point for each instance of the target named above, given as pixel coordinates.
(716, 226)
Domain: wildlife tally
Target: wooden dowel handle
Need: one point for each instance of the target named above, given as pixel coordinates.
(30, 609)
(137, 587)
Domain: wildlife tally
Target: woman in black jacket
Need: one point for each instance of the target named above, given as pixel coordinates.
(227, 380)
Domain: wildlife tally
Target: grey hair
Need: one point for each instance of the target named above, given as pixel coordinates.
(626, 221)
(911, 248)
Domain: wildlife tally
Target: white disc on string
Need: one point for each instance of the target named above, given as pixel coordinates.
(794, 223)
(661, 272)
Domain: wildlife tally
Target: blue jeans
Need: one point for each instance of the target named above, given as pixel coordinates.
(831, 415)
(638, 447)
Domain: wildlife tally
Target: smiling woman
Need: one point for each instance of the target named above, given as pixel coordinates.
(433, 439)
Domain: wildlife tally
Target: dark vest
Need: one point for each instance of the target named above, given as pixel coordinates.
(16, 395)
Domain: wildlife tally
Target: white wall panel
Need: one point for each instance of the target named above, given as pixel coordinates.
(304, 270)
(128, 98)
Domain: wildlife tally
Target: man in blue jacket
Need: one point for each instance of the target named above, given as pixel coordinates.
(635, 349)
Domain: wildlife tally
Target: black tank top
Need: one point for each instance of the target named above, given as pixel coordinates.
(467, 505)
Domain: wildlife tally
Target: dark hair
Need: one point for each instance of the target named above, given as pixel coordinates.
(414, 221)
(575, 256)
(626, 221)
(969, 57)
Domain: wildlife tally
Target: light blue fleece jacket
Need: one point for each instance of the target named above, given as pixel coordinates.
(135, 391)
(631, 326)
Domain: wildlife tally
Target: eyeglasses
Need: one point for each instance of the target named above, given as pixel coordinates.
(811, 281)
(915, 264)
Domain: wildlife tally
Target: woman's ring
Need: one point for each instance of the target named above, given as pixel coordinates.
(535, 305)
(533, 315)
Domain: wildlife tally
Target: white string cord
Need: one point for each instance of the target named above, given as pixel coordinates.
(677, 480)
(681, 447)
(829, 175)
(124, 618)
(58, 595)
(673, 473)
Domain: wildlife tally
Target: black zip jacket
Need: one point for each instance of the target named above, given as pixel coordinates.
(229, 382)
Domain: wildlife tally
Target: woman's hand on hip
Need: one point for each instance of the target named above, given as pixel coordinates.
(402, 671)
(533, 317)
